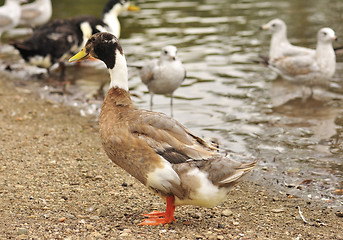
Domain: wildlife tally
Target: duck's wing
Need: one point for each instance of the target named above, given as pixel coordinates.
(169, 138)
(55, 38)
(29, 13)
(4, 20)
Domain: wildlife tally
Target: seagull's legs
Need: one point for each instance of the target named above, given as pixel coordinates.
(171, 105)
(157, 218)
(307, 93)
(151, 102)
(311, 93)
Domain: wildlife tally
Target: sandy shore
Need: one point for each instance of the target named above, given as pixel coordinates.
(57, 183)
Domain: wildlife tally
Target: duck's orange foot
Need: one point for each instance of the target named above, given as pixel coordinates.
(156, 218)
(154, 214)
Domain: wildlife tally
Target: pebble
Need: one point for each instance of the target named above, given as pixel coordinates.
(338, 192)
(235, 223)
(277, 210)
(126, 232)
(339, 214)
(212, 237)
(102, 212)
(124, 184)
(220, 225)
(187, 223)
(70, 216)
(98, 177)
(227, 213)
(22, 231)
(22, 236)
(94, 218)
(196, 215)
(62, 219)
(89, 226)
(96, 235)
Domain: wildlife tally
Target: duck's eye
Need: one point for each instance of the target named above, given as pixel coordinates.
(273, 25)
(165, 52)
(324, 33)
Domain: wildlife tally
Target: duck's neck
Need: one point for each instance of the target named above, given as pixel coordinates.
(111, 19)
(12, 3)
(119, 73)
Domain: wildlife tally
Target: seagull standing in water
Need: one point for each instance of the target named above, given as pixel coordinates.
(310, 69)
(164, 75)
(279, 44)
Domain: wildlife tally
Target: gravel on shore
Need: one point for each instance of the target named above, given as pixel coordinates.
(57, 183)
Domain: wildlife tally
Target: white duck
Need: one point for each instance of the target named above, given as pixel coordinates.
(111, 11)
(10, 14)
(36, 13)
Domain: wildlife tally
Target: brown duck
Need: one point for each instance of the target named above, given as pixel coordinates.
(154, 148)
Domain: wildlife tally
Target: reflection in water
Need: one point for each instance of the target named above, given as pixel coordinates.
(226, 96)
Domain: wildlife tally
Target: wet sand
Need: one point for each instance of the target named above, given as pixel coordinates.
(57, 183)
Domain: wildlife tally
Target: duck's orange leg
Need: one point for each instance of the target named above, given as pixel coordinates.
(156, 218)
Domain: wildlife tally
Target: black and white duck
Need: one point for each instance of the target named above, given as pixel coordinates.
(56, 40)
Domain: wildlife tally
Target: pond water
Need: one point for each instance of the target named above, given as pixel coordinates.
(227, 97)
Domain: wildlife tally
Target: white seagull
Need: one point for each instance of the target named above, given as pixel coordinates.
(279, 44)
(164, 75)
(311, 69)
(10, 14)
(36, 13)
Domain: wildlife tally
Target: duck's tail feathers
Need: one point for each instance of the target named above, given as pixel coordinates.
(240, 172)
